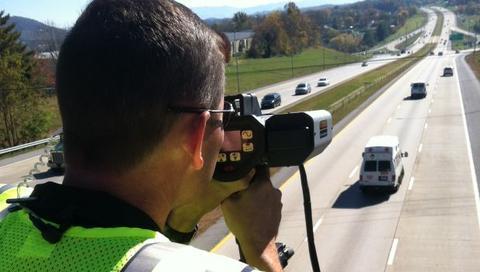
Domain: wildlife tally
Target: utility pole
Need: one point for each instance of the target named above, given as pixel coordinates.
(291, 62)
(236, 58)
(323, 53)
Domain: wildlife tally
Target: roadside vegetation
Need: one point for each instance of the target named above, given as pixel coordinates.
(437, 31)
(256, 73)
(343, 99)
(468, 14)
(348, 28)
(409, 41)
(413, 23)
(474, 61)
(25, 114)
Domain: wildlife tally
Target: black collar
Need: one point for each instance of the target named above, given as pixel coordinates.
(72, 206)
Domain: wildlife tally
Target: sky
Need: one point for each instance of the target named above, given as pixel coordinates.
(63, 13)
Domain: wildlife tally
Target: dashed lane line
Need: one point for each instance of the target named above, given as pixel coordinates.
(393, 250)
(410, 184)
(353, 172)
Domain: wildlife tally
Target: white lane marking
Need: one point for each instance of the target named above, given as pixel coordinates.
(316, 226)
(353, 172)
(469, 149)
(420, 147)
(426, 126)
(398, 107)
(389, 120)
(429, 110)
(410, 184)
(433, 100)
(393, 250)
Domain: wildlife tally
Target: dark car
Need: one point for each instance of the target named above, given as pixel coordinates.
(447, 71)
(271, 100)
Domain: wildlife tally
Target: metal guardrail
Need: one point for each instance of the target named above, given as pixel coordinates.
(28, 145)
(360, 90)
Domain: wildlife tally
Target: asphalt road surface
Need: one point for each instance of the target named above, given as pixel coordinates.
(470, 87)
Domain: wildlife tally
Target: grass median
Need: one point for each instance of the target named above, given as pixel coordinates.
(409, 41)
(437, 31)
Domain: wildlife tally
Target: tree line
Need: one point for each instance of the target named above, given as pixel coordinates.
(348, 28)
(23, 96)
(468, 8)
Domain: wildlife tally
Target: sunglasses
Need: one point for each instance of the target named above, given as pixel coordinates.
(227, 112)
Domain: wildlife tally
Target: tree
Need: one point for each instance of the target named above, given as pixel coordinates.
(345, 42)
(20, 104)
(270, 38)
(369, 38)
(240, 21)
(476, 27)
(382, 31)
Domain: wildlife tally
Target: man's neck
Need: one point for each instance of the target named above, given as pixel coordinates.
(140, 191)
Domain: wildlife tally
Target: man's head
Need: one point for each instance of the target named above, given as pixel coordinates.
(123, 65)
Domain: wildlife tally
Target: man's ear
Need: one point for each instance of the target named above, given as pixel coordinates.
(194, 140)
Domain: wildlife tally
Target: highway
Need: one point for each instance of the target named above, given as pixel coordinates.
(432, 222)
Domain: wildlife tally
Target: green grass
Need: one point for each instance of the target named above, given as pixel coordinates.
(256, 73)
(474, 61)
(408, 42)
(369, 80)
(466, 22)
(413, 23)
(438, 26)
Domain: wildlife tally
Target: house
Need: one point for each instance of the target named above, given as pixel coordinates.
(240, 42)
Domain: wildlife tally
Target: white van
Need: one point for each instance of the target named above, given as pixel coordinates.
(382, 166)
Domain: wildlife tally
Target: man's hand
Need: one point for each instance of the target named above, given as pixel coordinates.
(185, 218)
(253, 216)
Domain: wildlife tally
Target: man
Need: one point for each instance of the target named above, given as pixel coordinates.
(140, 86)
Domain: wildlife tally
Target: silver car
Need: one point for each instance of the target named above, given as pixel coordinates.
(303, 88)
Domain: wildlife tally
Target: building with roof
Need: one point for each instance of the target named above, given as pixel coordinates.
(240, 42)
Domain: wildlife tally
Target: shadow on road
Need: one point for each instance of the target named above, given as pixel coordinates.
(354, 198)
(48, 174)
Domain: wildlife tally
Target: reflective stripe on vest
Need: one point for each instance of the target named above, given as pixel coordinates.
(7, 191)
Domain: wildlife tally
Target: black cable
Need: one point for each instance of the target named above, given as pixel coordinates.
(307, 206)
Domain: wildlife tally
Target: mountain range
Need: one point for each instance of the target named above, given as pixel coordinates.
(228, 11)
(38, 36)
